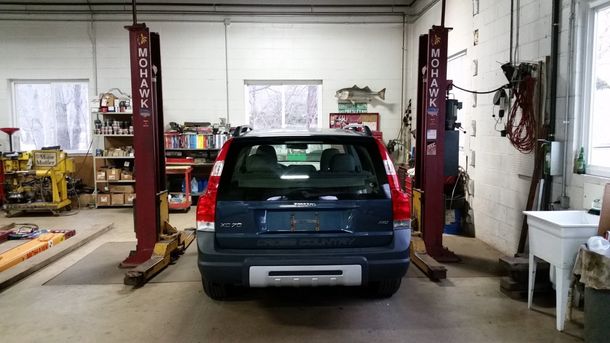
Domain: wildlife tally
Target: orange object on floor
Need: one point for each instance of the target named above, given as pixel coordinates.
(27, 250)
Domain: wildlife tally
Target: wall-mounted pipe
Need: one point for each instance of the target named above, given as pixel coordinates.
(564, 199)
(547, 188)
(554, 66)
(227, 22)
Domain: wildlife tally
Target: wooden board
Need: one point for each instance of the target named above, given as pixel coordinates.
(604, 220)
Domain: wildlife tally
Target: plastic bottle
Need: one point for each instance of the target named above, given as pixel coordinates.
(580, 162)
(194, 185)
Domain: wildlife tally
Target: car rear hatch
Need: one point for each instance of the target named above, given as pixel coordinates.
(311, 192)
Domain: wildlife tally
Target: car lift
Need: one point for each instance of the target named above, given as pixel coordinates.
(158, 243)
(428, 198)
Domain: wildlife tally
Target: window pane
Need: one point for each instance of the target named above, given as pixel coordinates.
(33, 106)
(301, 106)
(316, 170)
(265, 106)
(274, 105)
(54, 113)
(600, 92)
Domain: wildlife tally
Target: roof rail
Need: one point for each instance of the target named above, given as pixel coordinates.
(359, 128)
(241, 130)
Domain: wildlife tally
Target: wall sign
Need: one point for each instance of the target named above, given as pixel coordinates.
(142, 66)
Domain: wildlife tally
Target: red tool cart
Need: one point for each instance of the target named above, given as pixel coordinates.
(179, 200)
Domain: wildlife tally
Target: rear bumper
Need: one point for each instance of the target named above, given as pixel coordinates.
(232, 266)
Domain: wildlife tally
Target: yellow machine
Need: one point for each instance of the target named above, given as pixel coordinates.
(36, 181)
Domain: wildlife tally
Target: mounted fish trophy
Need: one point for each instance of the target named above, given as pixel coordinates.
(356, 94)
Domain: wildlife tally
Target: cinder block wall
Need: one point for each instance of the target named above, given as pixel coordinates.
(501, 173)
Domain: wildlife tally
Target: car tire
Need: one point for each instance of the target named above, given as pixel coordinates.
(214, 290)
(383, 288)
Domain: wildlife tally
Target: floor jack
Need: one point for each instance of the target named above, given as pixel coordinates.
(158, 243)
(433, 132)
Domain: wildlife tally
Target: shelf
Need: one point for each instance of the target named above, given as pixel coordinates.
(122, 113)
(114, 157)
(197, 194)
(113, 135)
(189, 164)
(184, 149)
(117, 181)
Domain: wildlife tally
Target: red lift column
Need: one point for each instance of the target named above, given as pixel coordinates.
(430, 153)
(147, 123)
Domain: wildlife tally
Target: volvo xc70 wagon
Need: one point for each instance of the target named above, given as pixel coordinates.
(303, 208)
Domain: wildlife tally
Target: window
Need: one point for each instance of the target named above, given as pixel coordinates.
(52, 113)
(280, 169)
(597, 140)
(283, 104)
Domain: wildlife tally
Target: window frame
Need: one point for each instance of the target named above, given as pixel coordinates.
(589, 43)
(15, 119)
(283, 83)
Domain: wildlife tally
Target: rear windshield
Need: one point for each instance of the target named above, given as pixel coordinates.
(284, 170)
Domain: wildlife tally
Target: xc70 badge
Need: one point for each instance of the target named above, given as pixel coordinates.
(231, 225)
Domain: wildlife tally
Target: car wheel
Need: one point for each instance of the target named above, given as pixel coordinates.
(214, 290)
(384, 288)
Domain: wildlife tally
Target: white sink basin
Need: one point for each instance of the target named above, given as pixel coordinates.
(555, 236)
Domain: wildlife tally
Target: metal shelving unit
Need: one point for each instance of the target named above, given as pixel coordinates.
(114, 157)
(105, 141)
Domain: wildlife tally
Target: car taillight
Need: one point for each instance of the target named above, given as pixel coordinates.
(206, 206)
(401, 206)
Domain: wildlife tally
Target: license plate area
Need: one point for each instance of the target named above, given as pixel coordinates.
(305, 221)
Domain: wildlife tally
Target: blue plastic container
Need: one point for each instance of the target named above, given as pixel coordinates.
(455, 227)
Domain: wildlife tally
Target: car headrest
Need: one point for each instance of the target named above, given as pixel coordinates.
(269, 151)
(325, 158)
(342, 163)
(259, 163)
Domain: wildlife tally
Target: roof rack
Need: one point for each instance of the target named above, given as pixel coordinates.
(359, 128)
(241, 130)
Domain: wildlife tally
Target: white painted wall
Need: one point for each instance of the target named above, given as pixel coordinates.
(40, 51)
(193, 60)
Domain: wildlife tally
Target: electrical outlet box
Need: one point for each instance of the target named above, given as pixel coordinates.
(556, 162)
(471, 187)
(473, 128)
(472, 158)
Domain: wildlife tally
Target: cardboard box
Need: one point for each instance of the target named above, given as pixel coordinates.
(100, 175)
(113, 174)
(118, 199)
(129, 198)
(126, 175)
(103, 200)
(86, 199)
(122, 189)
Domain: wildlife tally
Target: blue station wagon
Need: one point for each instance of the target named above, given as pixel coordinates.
(303, 208)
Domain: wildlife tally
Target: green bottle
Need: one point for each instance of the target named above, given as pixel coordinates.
(580, 162)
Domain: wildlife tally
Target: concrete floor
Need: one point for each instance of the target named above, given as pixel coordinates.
(469, 308)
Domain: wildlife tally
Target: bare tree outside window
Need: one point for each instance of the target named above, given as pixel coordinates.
(599, 141)
(52, 113)
(289, 105)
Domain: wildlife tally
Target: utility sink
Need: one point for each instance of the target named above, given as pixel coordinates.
(555, 237)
